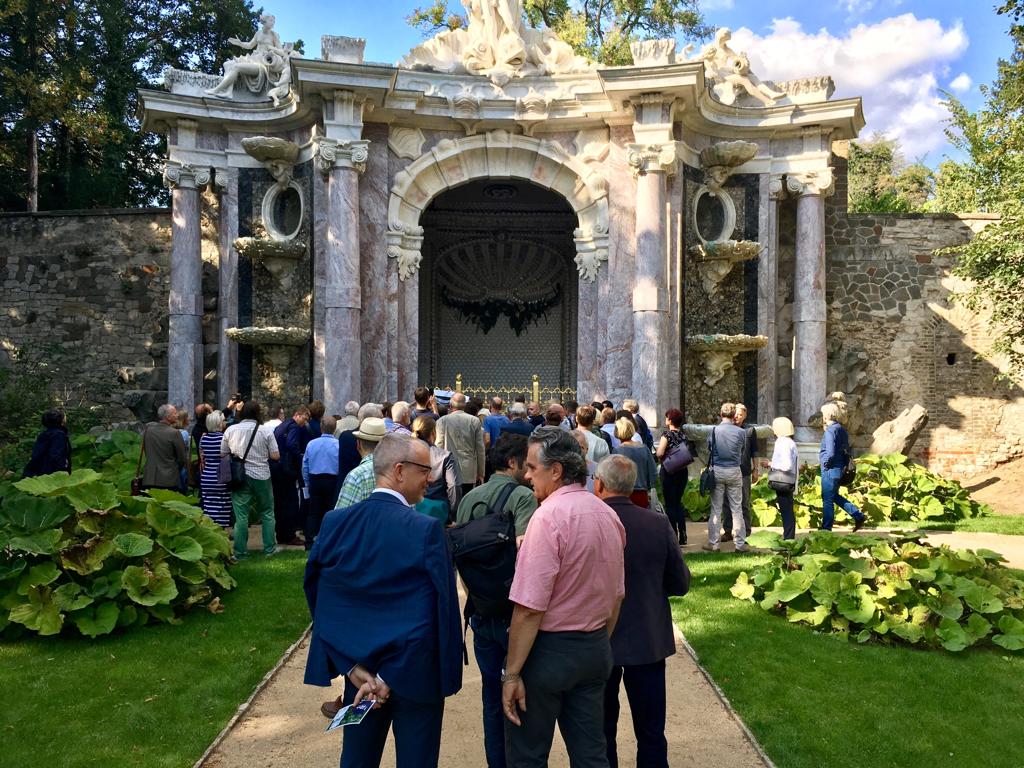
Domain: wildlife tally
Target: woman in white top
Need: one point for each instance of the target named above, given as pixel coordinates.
(785, 460)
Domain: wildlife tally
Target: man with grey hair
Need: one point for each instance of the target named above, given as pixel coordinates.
(320, 477)
(642, 429)
(725, 452)
(348, 448)
(381, 590)
(164, 451)
(746, 472)
(566, 593)
(350, 420)
(400, 418)
(517, 425)
(643, 636)
(463, 435)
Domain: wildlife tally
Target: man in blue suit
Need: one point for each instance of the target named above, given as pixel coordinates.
(381, 589)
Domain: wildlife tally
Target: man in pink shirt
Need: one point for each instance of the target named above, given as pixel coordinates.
(568, 587)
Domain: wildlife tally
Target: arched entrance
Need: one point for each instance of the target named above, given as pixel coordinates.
(498, 286)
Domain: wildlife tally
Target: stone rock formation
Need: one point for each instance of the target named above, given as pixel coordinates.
(900, 434)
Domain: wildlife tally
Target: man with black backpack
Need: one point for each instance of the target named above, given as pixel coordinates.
(492, 518)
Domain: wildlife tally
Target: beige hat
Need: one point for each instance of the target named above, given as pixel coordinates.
(371, 429)
(782, 427)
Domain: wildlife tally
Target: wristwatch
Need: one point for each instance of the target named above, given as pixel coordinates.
(508, 678)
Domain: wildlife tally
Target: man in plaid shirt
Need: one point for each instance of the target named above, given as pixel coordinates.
(359, 483)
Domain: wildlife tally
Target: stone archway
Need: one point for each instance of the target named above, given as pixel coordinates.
(498, 154)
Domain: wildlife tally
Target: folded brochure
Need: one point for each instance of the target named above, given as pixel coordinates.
(351, 715)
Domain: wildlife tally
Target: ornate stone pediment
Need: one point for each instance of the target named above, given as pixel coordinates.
(497, 44)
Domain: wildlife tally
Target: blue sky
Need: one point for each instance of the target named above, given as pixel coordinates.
(896, 54)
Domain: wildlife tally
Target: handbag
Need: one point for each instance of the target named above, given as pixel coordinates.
(849, 472)
(677, 458)
(779, 480)
(707, 475)
(136, 484)
(237, 479)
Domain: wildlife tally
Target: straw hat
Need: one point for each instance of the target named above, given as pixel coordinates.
(371, 429)
(782, 427)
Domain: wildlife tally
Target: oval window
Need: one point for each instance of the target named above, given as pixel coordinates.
(714, 216)
(282, 211)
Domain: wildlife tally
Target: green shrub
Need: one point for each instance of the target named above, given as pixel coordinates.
(892, 589)
(76, 552)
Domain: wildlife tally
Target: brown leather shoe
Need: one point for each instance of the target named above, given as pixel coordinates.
(727, 536)
(330, 708)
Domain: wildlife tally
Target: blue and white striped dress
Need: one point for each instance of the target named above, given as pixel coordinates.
(216, 497)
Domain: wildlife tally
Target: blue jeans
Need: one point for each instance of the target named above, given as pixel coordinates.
(830, 496)
(490, 646)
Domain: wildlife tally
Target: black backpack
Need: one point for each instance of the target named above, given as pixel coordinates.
(484, 551)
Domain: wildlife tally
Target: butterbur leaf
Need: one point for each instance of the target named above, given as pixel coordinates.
(163, 612)
(40, 613)
(791, 585)
(193, 573)
(162, 495)
(930, 508)
(978, 626)
(815, 617)
(88, 557)
(150, 586)
(105, 586)
(742, 589)
(947, 605)
(39, 543)
(214, 542)
(990, 556)
(167, 522)
(182, 547)
(58, 482)
(98, 495)
(825, 587)
(857, 604)
(952, 636)
(39, 576)
(69, 597)
(9, 569)
(133, 544)
(1011, 635)
(907, 631)
(765, 540)
(220, 574)
(128, 615)
(98, 620)
(31, 514)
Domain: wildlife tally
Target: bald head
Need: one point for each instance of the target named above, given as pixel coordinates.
(459, 401)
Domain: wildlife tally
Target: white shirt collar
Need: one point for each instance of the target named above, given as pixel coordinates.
(396, 494)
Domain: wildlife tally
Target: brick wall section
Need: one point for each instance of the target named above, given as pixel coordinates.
(96, 283)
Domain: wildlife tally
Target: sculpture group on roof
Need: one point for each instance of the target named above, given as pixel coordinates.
(264, 69)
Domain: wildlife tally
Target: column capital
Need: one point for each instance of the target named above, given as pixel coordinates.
(652, 158)
(223, 179)
(820, 183)
(185, 176)
(777, 187)
(332, 153)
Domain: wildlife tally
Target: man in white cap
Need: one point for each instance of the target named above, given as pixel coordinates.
(359, 483)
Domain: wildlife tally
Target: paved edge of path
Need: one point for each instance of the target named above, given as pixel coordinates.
(682, 642)
(243, 708)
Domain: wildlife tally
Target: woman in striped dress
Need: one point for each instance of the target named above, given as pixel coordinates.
(216, 497)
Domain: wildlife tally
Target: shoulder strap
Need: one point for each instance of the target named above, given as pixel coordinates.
(711, 456)
(503, 497)
(252, 437)
(142, 450)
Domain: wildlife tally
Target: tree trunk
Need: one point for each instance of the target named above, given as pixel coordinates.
(33, 172)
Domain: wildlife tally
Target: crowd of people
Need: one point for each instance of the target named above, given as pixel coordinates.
(550, 514)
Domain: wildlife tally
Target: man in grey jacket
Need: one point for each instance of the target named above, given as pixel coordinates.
(164, 449)
(463, 435)
(725, 448)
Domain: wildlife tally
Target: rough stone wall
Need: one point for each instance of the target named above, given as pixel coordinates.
(895, 339)
(96, 284)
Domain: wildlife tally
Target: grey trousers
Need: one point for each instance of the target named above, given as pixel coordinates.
(727, 510)
(728, 481)
(564, 675)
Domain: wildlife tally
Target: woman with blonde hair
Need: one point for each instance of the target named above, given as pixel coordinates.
(834, 457)
(784, 472)
(646, 471)
(444, 489)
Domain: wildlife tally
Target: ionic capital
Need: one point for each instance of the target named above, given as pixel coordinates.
(352, 155)
(652, 158)
(777, 188)
(184, 176)
(821, 183)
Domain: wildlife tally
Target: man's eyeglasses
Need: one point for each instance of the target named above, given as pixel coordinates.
(424, 467)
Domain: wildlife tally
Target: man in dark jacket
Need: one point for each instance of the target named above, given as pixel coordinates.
(381, 590)
(292, 436)
(643, 637)
(52, 450)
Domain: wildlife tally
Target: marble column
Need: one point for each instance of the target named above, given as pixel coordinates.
(409, 336)
(185, 304)
(226, 182)
(771, 192)
(651, 163)
(342, 296)
(810, 368)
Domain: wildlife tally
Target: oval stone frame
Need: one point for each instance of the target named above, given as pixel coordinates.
(267, 211)
(728, 214)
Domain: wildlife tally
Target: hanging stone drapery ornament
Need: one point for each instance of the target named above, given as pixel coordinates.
(484, 313)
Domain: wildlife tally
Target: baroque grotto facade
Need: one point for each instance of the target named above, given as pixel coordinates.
(496, 208)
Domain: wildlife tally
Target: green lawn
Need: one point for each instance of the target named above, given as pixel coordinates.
(155, 696)
(816, 700)
(1012, 525)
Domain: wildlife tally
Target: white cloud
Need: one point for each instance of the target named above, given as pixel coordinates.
(961, 83)
(895, 65)
(716, 5)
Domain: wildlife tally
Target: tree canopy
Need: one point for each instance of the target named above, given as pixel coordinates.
(68, 108)
(601, 30)
(991, 178)
(881, 181)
